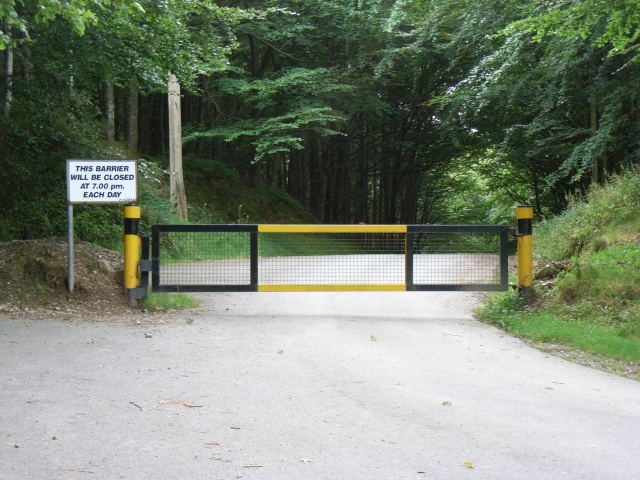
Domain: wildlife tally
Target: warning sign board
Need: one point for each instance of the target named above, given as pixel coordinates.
(102, 181)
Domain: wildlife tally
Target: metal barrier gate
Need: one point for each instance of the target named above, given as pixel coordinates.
(250, 258)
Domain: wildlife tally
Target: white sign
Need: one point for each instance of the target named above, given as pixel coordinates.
(102, 181)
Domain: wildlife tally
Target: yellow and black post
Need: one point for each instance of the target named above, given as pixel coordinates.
(524, 215)
(131, 250)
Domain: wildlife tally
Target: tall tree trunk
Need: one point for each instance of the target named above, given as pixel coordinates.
(362, 213)
(274, 170)
(409, 212)
(388, 183)
(131, 129)
(108, 111)
(26, 60)
(343, 210)
(332, 181)
(297, 175)
(8, 71)
(595, 174)
(176, 181)
(318, 179)
(162, 127)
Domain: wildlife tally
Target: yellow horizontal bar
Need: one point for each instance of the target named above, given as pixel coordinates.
(332, 288)
(332, 228)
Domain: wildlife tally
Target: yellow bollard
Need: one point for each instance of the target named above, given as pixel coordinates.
(524, 215)
(131, 246)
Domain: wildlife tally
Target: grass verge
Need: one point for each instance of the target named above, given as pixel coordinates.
(508, 312)
(590, 317)
(161, 302)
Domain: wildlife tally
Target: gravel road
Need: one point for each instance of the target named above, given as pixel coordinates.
(351, 385)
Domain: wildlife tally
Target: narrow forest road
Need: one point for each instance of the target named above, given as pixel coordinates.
(306, 386)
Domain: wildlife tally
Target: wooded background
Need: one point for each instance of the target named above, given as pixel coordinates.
(378, 111)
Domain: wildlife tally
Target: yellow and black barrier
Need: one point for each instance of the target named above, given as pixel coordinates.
(131, 245)
(276, 258)
(524, 216)
(135, 288)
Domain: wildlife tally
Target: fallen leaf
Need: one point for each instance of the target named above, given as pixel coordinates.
(469, 463)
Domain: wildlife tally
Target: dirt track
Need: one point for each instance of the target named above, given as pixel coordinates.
(306, 386)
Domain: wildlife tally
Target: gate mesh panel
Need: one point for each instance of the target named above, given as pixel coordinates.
(205, 258)
(331, 258)
(456, 258)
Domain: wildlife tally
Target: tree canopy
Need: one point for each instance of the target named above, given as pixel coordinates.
(369, 110)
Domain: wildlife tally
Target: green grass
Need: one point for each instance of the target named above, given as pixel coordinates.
(609, 340)
(606, 279)
(159, 302)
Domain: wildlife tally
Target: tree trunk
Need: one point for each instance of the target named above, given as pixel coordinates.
(318, 179)
(332, 181)
(274, 170)
(108, 111)
(8, 71)
(297, 175)
(26, 60)
(409, 212)
(131, 129)
(176, 183)
(362, 213)
(595, 174)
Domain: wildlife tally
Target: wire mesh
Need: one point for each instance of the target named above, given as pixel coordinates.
(205, 258)
(328, 259)
(457, 258)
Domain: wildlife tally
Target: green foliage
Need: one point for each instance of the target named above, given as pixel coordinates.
(20, 16)
(294, 100)
(218, 189)
(603, 284)
(388, 112)
(548, 110)
(615, 23)
(47, 128)
(99, 224)
(608, 215)
(478, 193)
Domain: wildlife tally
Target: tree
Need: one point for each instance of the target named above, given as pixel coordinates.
(176, 184)
(550, 109)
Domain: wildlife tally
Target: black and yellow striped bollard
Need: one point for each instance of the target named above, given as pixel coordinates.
(131, 249)
(524, 215)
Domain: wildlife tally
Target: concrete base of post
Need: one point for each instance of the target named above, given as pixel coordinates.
(527, 294)
(135, 295)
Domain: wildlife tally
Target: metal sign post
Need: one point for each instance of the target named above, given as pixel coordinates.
(70, 277)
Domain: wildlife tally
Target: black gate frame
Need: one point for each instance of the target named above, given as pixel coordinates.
(253, 231)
